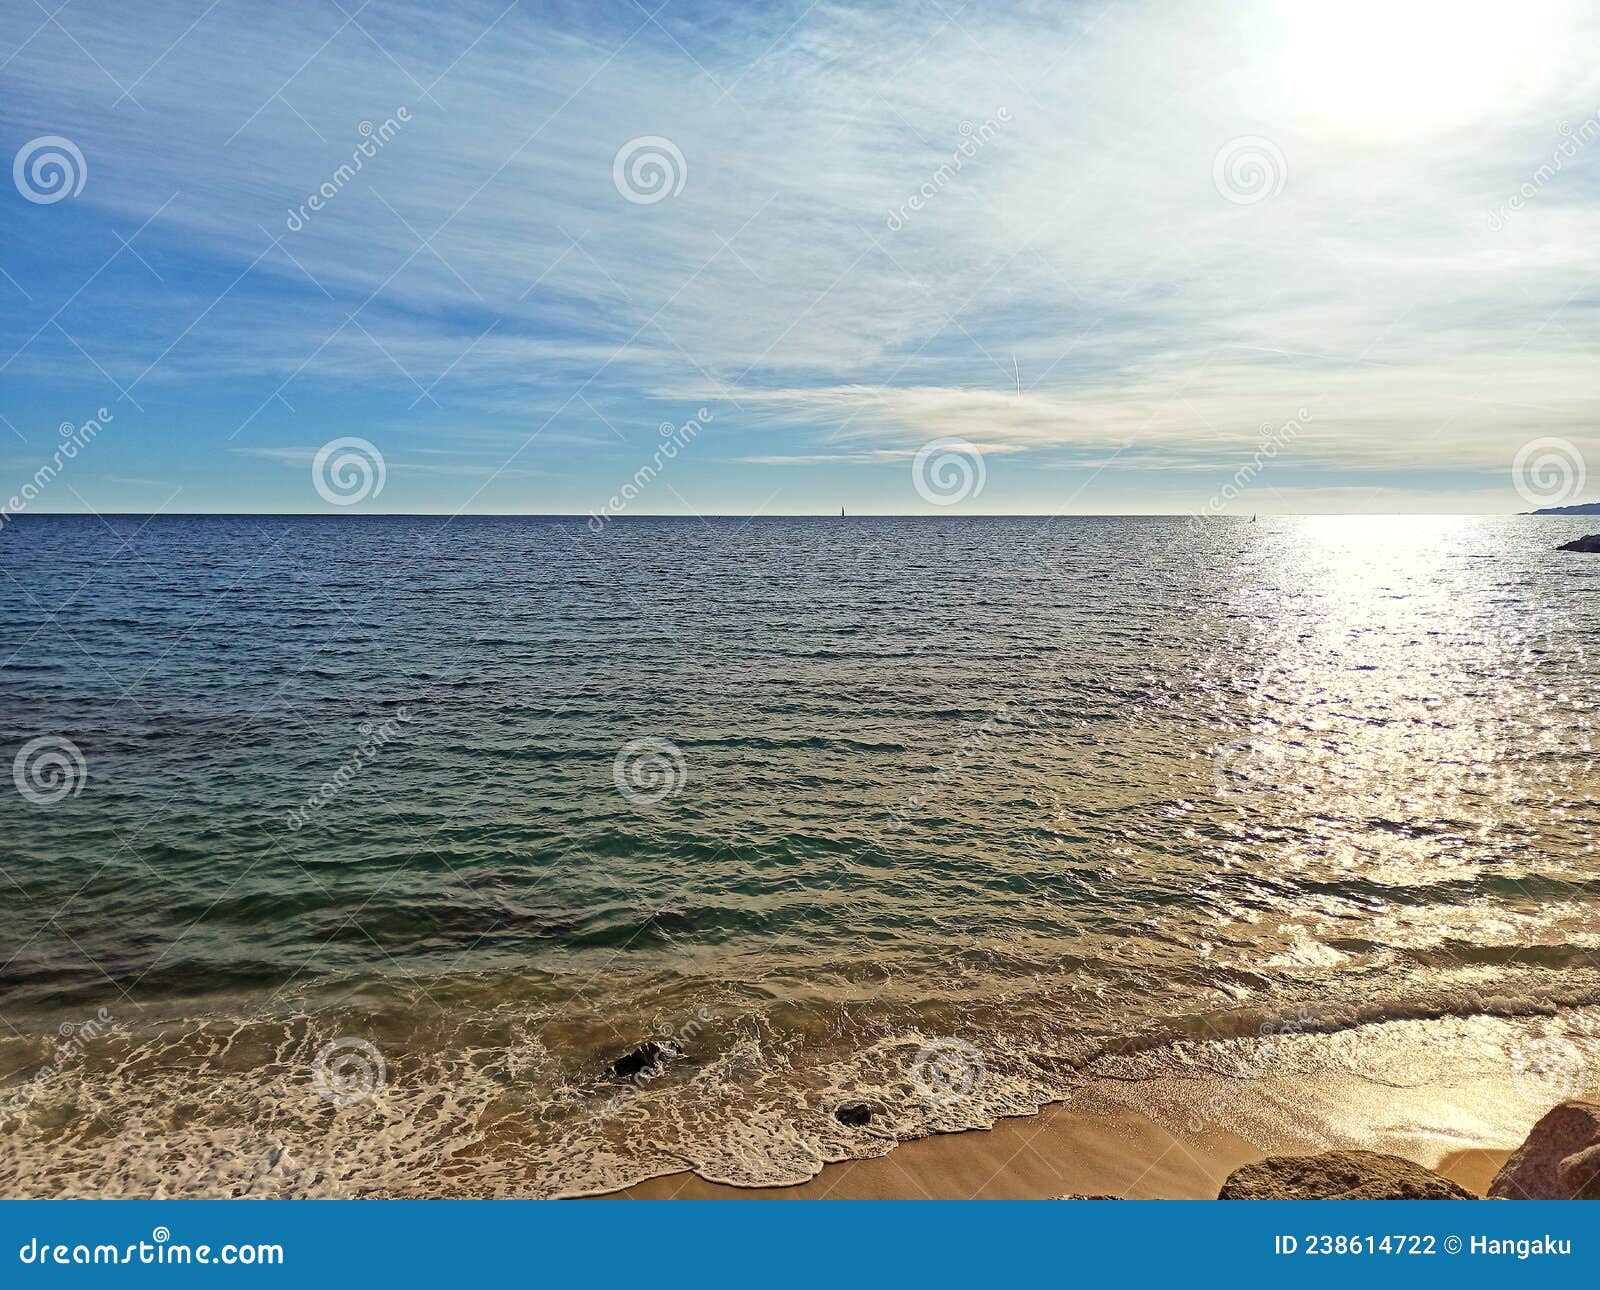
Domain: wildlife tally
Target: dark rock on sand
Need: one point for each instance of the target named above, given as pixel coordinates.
(1590, 544)
(855, 1114)
(1559, 1161)
(1339, 1175)
(648, 1056)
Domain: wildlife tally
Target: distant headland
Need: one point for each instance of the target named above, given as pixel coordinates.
(1582, 508)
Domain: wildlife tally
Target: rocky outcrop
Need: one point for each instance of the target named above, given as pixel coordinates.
(1339, 1175)
(855, 1114)
(1590, 544)
(1579, 1174)
(1559, 1161)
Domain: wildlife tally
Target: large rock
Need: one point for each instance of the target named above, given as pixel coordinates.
(1339, 1175)
(1579, 1174)
(1590, 544)
(1559, 1161)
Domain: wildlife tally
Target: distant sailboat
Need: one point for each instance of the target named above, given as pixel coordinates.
(841, 512)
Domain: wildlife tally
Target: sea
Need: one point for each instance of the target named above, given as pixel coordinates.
(352, 855)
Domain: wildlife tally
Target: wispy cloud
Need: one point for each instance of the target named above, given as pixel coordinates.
(1080, 288)
(304, 457)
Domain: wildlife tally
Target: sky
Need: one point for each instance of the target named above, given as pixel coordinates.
(923, 257)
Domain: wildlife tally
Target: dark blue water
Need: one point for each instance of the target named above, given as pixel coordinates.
(491, 800)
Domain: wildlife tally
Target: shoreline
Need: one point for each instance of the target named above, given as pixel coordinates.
(1454, 1094)
(1437, 1093)
(1064, 1151)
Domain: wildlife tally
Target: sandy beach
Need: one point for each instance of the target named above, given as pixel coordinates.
(1104, 1150)
(1414, 1089)
(1062, 1152)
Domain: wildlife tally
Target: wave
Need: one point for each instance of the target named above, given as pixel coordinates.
(516, 1102)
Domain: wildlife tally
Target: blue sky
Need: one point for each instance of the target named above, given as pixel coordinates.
(1112, 249)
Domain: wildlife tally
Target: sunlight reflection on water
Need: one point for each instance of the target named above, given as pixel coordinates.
(1044, 786)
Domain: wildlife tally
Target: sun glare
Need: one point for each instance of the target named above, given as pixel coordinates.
(1403, 64)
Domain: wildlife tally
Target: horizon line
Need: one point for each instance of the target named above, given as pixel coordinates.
(585, 516)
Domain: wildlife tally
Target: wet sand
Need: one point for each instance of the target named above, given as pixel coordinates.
(1063, 1151)
(1178, 1137)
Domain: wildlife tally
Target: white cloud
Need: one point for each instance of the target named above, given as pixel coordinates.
(1080, 286)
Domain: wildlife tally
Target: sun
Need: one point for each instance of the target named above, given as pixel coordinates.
(1405, 64)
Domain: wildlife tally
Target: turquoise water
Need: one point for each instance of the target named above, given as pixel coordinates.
(500, 798)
